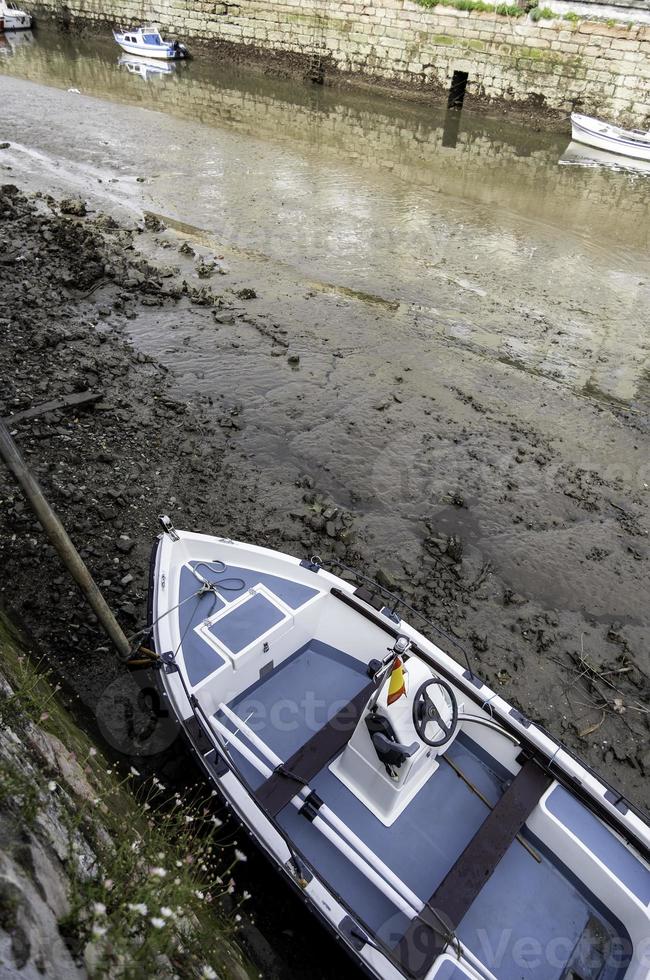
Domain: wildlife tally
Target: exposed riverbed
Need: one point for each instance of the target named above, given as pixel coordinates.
(428, 359)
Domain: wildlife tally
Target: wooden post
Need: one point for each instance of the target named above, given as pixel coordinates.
(59, 538)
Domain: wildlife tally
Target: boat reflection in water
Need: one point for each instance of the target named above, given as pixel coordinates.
(11, 41)
(146, 68)
(579, 155)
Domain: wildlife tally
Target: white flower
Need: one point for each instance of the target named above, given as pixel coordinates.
(199, 894)
(207, 973)
(231, 887)
(99, 908)
(99, 931)
(246, 896)
(138, 907)
(92, 751)
(239, 855)
(216, 821)
(133, 771)
(179, 864)
(51, 786)
(238, 918)
(157, 923)
(189, 819)
(166, 912)
(158, 872)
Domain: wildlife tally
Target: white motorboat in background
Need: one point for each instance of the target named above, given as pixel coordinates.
(14, 18)
(147, 41)
(437, 831)
(604, 136)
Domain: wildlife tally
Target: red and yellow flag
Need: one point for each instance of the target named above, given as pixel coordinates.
(396, 685)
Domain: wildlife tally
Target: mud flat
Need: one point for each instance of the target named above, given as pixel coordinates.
(537, 563)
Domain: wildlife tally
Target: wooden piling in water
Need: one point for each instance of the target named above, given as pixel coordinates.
(60, 540)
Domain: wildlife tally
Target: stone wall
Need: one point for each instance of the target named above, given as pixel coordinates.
(558, 64)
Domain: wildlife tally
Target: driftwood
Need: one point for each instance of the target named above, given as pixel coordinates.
(67, 401)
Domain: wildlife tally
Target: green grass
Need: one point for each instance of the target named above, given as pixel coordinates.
(505, 9)
(160, 881)
(541, 13)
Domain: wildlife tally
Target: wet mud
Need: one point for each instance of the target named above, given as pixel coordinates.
(480, 517)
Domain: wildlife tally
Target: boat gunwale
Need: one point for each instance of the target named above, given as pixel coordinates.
(467, 682)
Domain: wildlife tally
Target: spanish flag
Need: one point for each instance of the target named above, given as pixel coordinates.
(396, 686)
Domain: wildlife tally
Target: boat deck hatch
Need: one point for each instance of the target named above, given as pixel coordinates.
(254, 617)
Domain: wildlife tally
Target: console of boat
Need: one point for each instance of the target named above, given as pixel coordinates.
(432, 827)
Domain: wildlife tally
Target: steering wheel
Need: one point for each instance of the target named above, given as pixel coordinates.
(424, 711)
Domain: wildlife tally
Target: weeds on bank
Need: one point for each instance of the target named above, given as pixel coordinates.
(154, 897)
(150, 873)
(542, 13)
(505, 9)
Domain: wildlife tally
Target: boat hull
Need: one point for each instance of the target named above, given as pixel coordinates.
(161, 53)
(583, 130)
(331, 611)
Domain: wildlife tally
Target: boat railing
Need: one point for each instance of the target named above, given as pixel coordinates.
(394, 602)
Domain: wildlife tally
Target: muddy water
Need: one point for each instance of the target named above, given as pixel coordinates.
(469, 311)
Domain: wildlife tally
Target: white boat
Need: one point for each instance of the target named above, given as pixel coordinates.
(14, 18)
(146, 67)
(437, 831)
(148, 42)
(603, 136)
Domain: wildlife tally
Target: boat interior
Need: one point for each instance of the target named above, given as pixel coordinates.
(501, 859)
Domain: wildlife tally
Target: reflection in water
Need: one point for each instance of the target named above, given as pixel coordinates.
(474, 232)
(146, 68)
(577, 154)
(451, 128)
(12, 41)
(492, 162)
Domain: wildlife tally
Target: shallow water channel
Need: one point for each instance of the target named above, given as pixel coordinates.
(468, 301)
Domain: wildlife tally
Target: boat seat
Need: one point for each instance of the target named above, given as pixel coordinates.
(424, 940)
(288, 779)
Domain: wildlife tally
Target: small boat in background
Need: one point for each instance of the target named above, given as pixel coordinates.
(603, 136)
(14, 18)
(148, 42)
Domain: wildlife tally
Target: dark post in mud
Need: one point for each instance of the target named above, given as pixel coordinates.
(59, 538)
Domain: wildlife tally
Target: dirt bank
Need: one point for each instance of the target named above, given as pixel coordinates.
(572, 655)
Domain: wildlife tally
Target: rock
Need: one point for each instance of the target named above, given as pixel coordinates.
(153, 223)
(455, 548)
(125, 544)
(4, 146)
(205, 269)
(74, 206)
(246, 293)
(386, 580)
(186, 249)
(293, 359)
